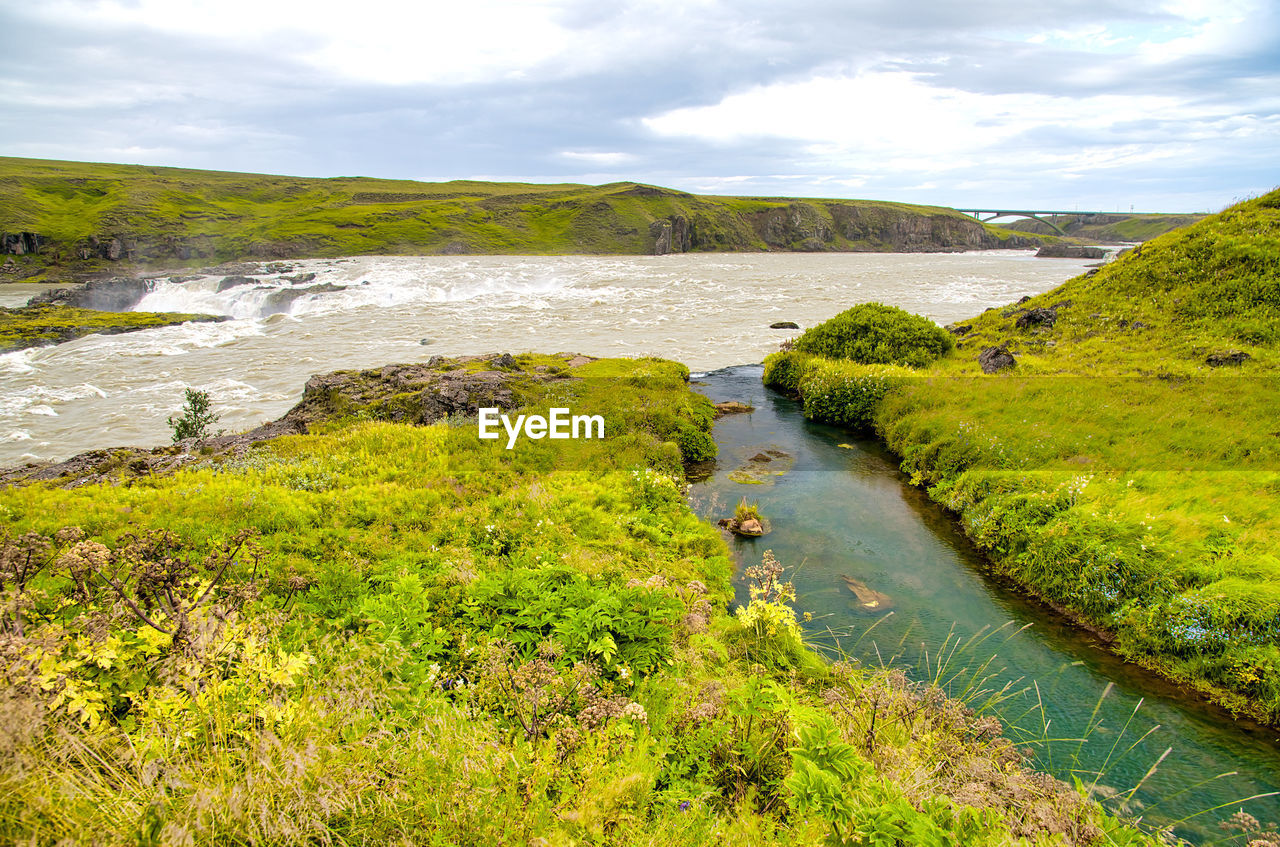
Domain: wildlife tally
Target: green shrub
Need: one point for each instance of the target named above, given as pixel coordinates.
(785, 370)
(846, 394)
(875, 334)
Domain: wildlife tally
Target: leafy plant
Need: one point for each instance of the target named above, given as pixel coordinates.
(745, 511)
(196, 418)
(876, 334)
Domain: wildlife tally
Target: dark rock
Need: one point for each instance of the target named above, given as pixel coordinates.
(784, 325)
(505, 362)
(994, 359)
(1070, 251)
(959, 329)
(1230, 358)
(231, 269)
(425, 341)
(281, 300)
(118, 294)
(1026, 298)
(235, 281)
(761, 457)
(299, 279)
(20, 243)
(1139, 325)
(1036, 317)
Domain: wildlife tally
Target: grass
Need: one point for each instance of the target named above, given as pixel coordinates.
(1114, 470)
(35, 326)
(1108, 228)
(381, 633)
(172, 217)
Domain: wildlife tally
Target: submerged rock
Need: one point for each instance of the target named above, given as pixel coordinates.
(784, 325)
(732, 407)
(868, 598)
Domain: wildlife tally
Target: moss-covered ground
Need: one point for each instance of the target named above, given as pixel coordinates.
(386, 634)
(1128, 466)
(36, 326)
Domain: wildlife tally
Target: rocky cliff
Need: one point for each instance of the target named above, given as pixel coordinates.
(68, 220)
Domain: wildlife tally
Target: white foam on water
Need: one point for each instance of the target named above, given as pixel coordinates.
(18, 362)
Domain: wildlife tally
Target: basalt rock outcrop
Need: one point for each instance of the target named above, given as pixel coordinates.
(1070, 251)
(419, 394)
(118, 294)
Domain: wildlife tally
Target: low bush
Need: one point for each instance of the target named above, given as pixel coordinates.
(875, 334)
(847, 394)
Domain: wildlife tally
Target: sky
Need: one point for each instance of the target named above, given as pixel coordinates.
(1096, 105)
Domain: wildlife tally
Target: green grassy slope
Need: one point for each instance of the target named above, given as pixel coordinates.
(1128, 466)
(1109, 229)
(434, 640)
(100, 216)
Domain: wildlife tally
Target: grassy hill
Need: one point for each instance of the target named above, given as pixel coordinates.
(81, 218)
(1127, 467)
(1107, 229)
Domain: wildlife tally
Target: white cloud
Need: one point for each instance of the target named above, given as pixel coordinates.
(381, 41)
(898, 122)
(600, 159)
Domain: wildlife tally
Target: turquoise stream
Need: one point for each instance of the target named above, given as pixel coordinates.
(844, 509)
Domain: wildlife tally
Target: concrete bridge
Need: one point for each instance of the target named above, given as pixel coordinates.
(1035, 215)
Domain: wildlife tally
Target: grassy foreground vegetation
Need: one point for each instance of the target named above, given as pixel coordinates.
(117, 218)
(1127, 467)
(386, 634)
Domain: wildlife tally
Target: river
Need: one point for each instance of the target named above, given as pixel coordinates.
(843, 510)
(708, 310)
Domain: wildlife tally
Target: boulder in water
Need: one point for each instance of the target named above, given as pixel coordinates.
(868, 598)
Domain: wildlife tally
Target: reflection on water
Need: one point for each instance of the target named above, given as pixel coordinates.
(844, 514)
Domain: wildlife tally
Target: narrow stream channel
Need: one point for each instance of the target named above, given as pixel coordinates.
(844, 510)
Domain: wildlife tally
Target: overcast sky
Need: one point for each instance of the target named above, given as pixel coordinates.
(1088, 104)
